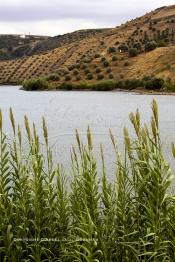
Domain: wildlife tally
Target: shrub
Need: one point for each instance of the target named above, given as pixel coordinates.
(89, 76)
(77, 65)
(71, 67)
(109, 70)
(111, 76)
(154, 84)
(100, 76)
(53, 77)
(161, 43)
(123, 48)
(149, 46)
(66, 86)
(103, 59)
(132, 84)
(65, 72)
(114, 58)
(98, 70)
(87, 71)
(133, 52)
(67, 78)
(75, 72)
(112, 49)
(84, 66)
(126, 64)
(105, 63)
(78, 78)
(138, 46)
(105, 85)
(169, 85)
(35, 84)
(97, 55)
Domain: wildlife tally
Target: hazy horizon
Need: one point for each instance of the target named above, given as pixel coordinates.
(54, 17)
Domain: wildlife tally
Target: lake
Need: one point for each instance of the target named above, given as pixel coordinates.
(65, 111)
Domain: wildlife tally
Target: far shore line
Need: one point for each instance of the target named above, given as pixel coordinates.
(135, 91)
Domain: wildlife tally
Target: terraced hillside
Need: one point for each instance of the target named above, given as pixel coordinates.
(140, 47)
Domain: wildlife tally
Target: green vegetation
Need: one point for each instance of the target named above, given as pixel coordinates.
(133, 52)
(89, 76)
(67, 78)
(126, 64)
(35, 84)
(98, 70)
(103, 85)
(114, 58)
(130, 219)
(53, 77)
(147, 83)
(106, 63)
(100, 76)
(111, 49)
(150, 46)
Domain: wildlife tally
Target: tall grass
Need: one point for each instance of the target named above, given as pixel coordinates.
(46, 217)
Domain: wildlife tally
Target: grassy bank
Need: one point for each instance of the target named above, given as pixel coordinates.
(147, 83)
(132, 219)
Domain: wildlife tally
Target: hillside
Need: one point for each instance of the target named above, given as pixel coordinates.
(18, 46)
(143, 46)
(15, 46)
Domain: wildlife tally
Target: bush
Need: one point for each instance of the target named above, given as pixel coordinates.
(111, 76)
(78, 78)
(66, 86)
(75, 72)
(67, 78)
(97, 55)
(89, 76)
(132, 84)
(138, 46)
(100, 76)
(103, 59)
(154, 84)
(112, 49)
(71, 67)
(105, 63)
(105, 85)
(87, 71)
(98, 70)
(84, 66)
(114, 58)
(65, 72)
(53, 77)
(74, 86)
(161, 43)
(149, 46)
(109, 70)
(133, 52)
(35, 84)
(126, 64)
(169, 85)
(77, 65)
(123, 48)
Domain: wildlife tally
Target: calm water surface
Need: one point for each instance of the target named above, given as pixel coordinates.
(66, 111)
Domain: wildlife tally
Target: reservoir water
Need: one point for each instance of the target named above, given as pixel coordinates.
(66, 111)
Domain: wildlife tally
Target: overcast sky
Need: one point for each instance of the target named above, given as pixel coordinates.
(53, 17)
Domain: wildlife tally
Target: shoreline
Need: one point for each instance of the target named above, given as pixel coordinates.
(135, 91)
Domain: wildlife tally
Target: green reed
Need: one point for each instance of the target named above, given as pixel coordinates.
(47, 215)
